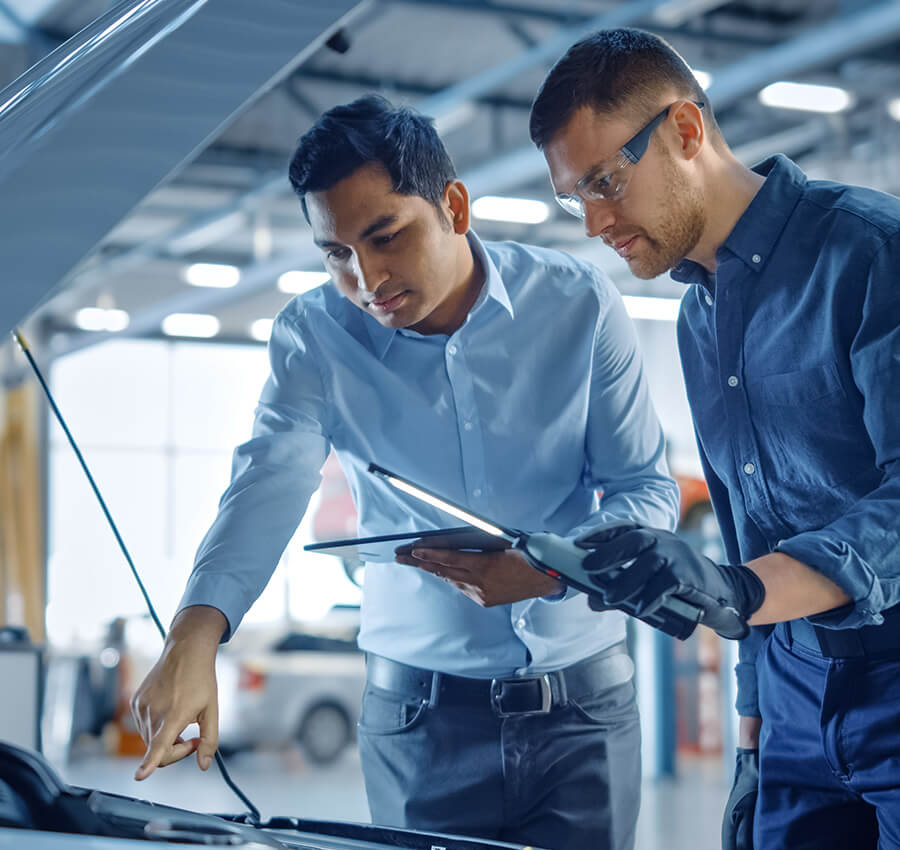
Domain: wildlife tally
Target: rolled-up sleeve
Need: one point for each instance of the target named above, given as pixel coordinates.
(860, 550)
(273, 476)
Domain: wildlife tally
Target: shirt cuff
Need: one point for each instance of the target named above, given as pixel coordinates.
(221, 592)
(839, 561)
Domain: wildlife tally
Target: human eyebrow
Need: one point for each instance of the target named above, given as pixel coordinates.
(378, 224)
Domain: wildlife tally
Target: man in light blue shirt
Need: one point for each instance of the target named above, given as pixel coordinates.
(504, 376)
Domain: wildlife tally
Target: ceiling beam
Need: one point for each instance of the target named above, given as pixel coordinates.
(843, 36)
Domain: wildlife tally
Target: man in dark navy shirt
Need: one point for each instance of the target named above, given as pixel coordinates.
(789, 336)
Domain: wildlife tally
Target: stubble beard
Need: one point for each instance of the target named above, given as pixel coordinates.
(681, 223)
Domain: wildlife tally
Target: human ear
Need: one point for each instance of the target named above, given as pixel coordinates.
(689, 127)
(456, 203)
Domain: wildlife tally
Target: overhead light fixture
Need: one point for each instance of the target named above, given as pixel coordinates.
(516, 210)
(190, 324)
(216, 275)
(100, 319)
(655, 309)
(894, 108)
(702, 77)
(296, 282)
(261, 329)
(805, 96)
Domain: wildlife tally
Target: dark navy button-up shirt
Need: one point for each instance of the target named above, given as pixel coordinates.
(791, 357)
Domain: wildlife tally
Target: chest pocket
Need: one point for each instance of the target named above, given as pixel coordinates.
(818, 386)
(810, 428)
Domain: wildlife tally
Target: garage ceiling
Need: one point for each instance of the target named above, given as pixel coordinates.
(474, 66)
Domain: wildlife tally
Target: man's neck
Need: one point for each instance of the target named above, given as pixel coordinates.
(449, 317)
(732, 188)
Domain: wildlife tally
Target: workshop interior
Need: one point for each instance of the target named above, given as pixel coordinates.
(148, 238)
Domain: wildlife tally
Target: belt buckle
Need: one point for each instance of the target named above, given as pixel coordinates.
(497, 686)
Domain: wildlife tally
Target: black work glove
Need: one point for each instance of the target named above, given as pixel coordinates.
(644, 567)
(737, 825)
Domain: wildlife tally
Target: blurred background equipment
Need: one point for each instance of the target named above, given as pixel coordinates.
(22, 675)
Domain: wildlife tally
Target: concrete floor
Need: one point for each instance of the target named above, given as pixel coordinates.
(682, 814)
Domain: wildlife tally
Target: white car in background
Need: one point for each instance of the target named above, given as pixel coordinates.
(300, 684)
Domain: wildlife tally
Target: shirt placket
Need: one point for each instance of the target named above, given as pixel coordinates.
(468, 423)
(749, 472)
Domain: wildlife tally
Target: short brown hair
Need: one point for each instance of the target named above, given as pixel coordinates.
(610, 70)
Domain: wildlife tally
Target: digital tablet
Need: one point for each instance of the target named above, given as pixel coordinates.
(385, 547)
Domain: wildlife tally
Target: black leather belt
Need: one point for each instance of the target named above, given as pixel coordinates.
(514, 696)
(848, 643)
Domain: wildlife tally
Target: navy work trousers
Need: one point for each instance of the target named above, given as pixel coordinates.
(565, 780)
(829, 749)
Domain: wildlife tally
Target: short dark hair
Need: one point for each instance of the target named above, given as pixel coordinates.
(608, 71)
(372, 130)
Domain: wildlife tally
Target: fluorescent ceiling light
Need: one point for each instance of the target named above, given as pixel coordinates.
(212, 274)
(190, 324)
(702, 77)
(805, 96)
(99, 319)
(894, 108)
(296, 282)
(656, 309)
(261, 329)
(518, 210)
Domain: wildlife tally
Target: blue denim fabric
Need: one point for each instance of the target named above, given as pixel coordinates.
(829, 772)
(791, 356)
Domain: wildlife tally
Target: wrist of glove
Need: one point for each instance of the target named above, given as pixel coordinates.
(737, 823)
(643, 567)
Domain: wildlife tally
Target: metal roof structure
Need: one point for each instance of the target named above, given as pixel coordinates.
(474, 65)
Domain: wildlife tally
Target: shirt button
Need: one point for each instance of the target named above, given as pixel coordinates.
(749, 468)
(451, 349)
(520, 623)
(708, 299)
(756, 258)
(476, 492)
(468, 426)
(733, 381)
(780, 543)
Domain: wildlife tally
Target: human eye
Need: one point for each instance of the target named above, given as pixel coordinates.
(599, 186)
(385, 238)
(337, 254)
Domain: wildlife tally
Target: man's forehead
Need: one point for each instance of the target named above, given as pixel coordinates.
(588, 140)
(352, 204)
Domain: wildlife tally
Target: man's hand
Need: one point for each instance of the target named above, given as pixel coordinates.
(488, 578)
(737, 824)
(645, 566)
(179, 690)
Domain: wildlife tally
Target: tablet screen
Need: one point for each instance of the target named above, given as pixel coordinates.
(383, 548)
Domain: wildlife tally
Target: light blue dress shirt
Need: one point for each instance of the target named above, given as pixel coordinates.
(537, 402)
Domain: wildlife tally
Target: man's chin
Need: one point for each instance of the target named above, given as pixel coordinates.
(647, 271)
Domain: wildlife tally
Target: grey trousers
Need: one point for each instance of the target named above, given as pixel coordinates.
(565, 780)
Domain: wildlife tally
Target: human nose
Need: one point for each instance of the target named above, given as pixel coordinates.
(369, 273)
(599, 216)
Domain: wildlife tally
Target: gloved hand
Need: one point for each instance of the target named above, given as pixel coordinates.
(646, 566)
(737, 825)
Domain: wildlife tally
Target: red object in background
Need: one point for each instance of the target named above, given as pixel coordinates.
(335, 518)
(694, 496)
(250, 679)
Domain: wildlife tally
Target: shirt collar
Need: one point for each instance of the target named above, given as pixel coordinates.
(753, 238)
(493, 288)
